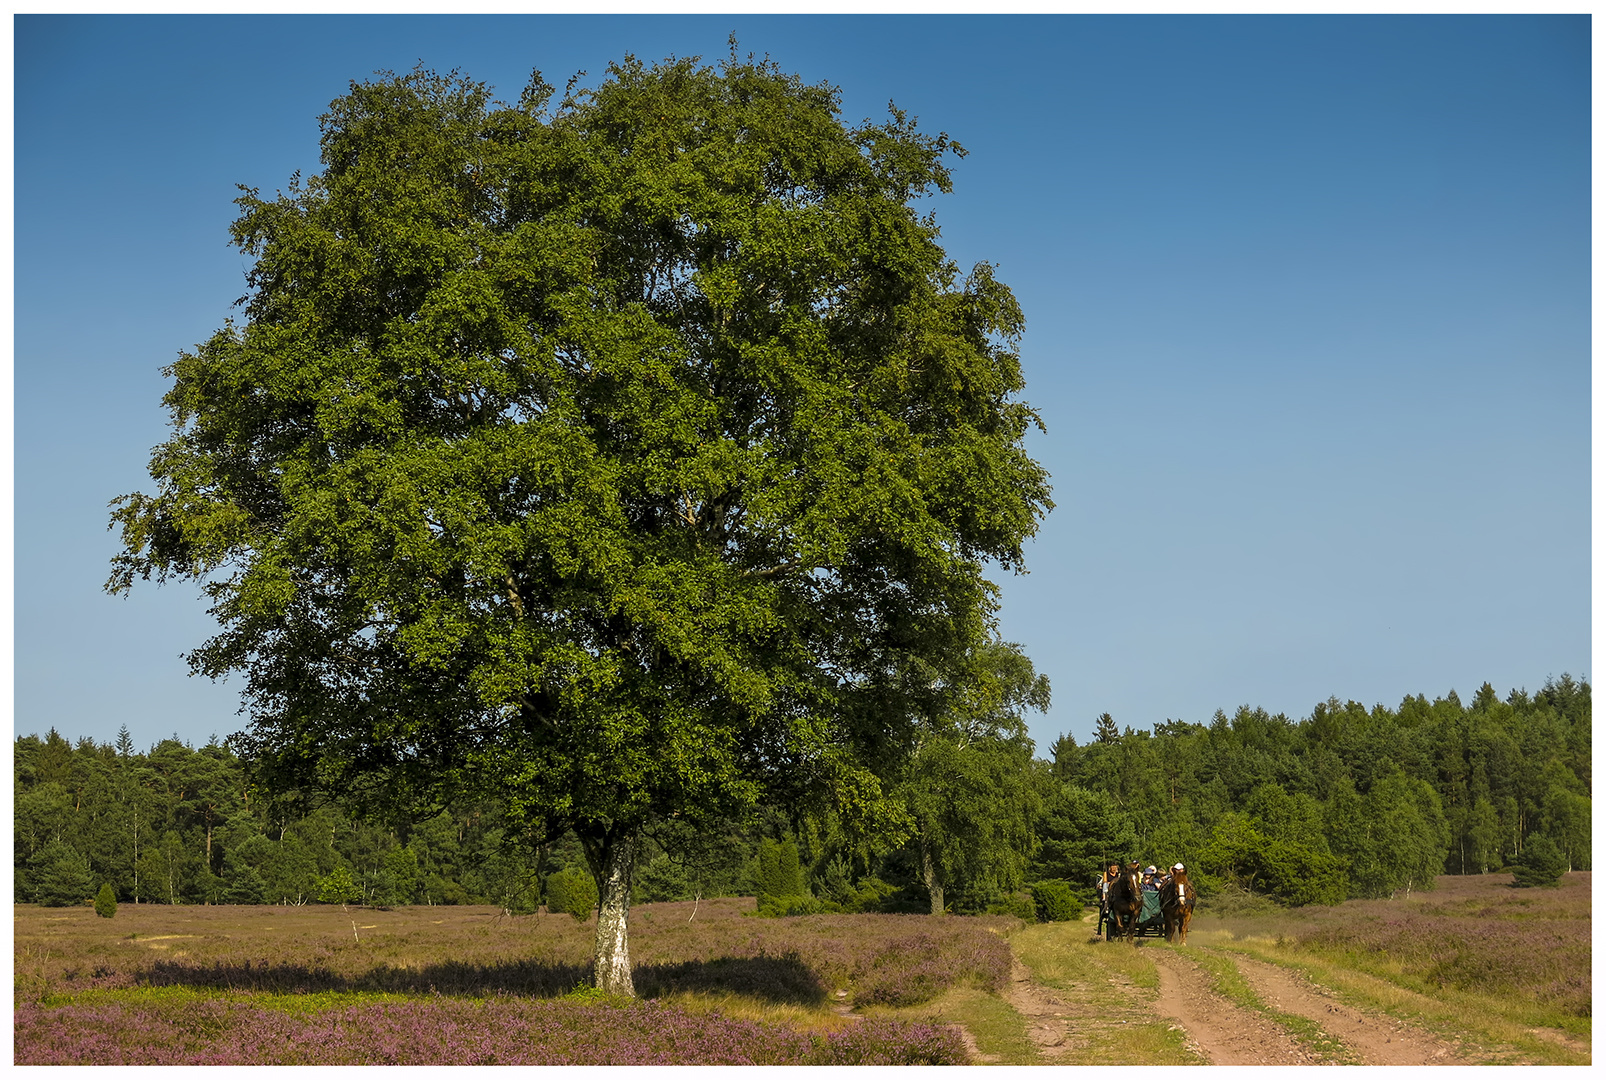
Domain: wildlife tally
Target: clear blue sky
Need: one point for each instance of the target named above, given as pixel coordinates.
(1307, 301)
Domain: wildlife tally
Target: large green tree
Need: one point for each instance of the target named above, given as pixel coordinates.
(615, 457)
(969, 785)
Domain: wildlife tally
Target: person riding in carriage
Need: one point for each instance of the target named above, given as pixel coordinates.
(1111, 873)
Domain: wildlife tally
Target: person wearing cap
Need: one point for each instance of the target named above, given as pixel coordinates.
(1149, 883)
(1106, 879)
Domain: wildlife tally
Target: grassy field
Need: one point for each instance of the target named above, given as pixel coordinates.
(1503, 974)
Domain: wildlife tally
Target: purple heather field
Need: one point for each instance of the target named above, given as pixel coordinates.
(266, 985)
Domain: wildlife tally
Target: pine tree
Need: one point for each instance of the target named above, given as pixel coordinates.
(61, 875)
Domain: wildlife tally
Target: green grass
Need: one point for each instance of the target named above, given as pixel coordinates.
(177, 997)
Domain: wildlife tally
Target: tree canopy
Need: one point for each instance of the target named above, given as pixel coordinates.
(624, 457)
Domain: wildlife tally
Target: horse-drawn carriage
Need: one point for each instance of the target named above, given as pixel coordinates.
(1128, 909)
(1151, 919)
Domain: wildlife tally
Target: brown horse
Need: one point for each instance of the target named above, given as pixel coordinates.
(1176, 904)
(1125, 904)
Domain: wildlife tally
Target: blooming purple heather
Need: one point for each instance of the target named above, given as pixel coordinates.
(505, 1032)
(474, 988)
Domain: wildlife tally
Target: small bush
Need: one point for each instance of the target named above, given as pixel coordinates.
(1540, 864)
(1056, 901)
(779, 907)
(1298, 875)
(1019, 904)
(869, 895)
(106, 901)
(439, 890)
(339, 887)
(572, 890)
(779, 879)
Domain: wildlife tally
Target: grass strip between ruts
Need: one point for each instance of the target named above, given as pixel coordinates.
(1229, 982)
(1477, 1025)
(1112, 985)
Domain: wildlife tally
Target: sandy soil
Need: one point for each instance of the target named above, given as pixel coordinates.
(1221, 1032)
(1051, 1022)
(1375, 1039)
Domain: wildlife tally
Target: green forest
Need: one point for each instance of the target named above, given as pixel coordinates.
(1348, 802)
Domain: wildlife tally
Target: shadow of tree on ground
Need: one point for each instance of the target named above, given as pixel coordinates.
(774, 979)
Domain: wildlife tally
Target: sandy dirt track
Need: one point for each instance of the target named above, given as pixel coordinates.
(1375, 1039)
(1221, 1032)
(1051, 1022)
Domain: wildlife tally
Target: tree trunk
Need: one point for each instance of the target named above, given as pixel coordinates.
(615, 863)
(928, 870)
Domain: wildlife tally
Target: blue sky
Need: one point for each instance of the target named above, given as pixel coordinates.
(1307, 309)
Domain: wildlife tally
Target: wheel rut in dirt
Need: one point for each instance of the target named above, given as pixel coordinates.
(1052, 1024)
(1375, 1039)
(1218, 1030)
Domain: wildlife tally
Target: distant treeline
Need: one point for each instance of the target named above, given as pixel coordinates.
(1348, 802)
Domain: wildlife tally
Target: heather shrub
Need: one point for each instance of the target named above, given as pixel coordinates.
(783, 979)
(498, 1032)
(106, 901)
(886, 1042)
(704, 948)
(1483, 938)
(912, 973)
